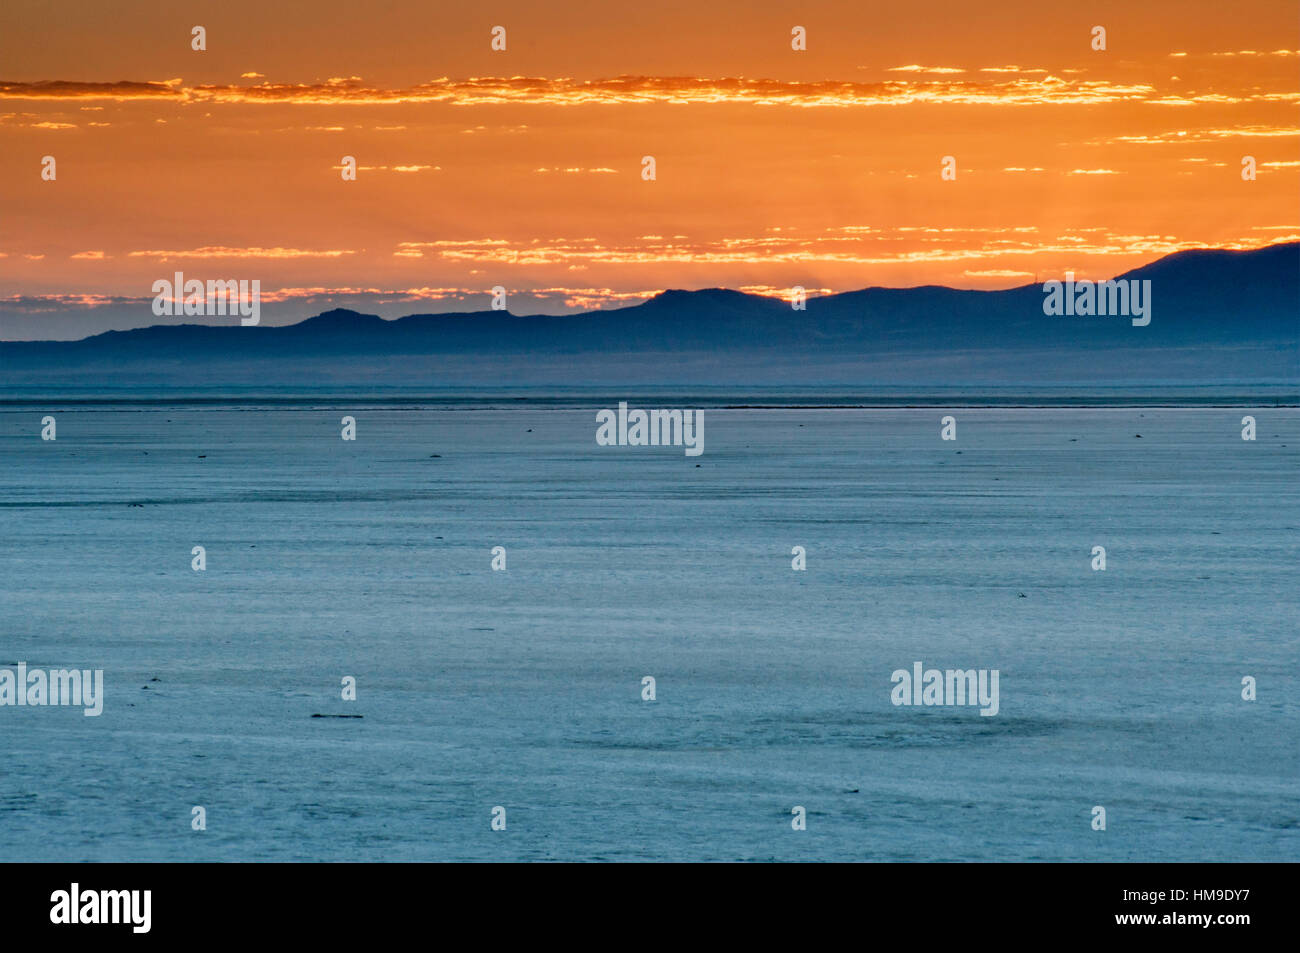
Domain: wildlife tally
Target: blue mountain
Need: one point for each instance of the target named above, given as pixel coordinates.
(1217, 316)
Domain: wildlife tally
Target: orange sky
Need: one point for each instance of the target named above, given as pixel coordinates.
(775, 168)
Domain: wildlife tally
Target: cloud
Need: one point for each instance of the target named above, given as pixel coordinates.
(1203, 135)
(222, 251)
(62, 89)
(841, 247)
(395, 168)
(579, 169)
(924, 69)
(355, 296)
(785, 294)
(1044, 90)
(32, 121)
(1260, 53)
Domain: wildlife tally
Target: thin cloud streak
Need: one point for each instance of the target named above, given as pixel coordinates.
(632, 90)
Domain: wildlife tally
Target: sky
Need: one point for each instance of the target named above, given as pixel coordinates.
(774, 167)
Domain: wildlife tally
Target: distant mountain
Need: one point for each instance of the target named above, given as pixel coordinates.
(1216, 316)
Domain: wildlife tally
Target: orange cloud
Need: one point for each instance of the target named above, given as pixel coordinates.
(958, 245)
(626, 90)
(219, 251)
(62, 89)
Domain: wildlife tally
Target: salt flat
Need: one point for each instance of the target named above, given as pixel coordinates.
(522, 688)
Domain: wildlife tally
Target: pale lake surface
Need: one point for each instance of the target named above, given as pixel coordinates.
(522, 688)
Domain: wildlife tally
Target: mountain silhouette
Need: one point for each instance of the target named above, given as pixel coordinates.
(1217, 316)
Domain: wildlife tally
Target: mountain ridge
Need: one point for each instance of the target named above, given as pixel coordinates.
(1216, 314)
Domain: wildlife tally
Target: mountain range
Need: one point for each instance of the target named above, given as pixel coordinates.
(1217, 316)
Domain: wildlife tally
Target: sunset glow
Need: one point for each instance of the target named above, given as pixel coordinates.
(522, 168)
